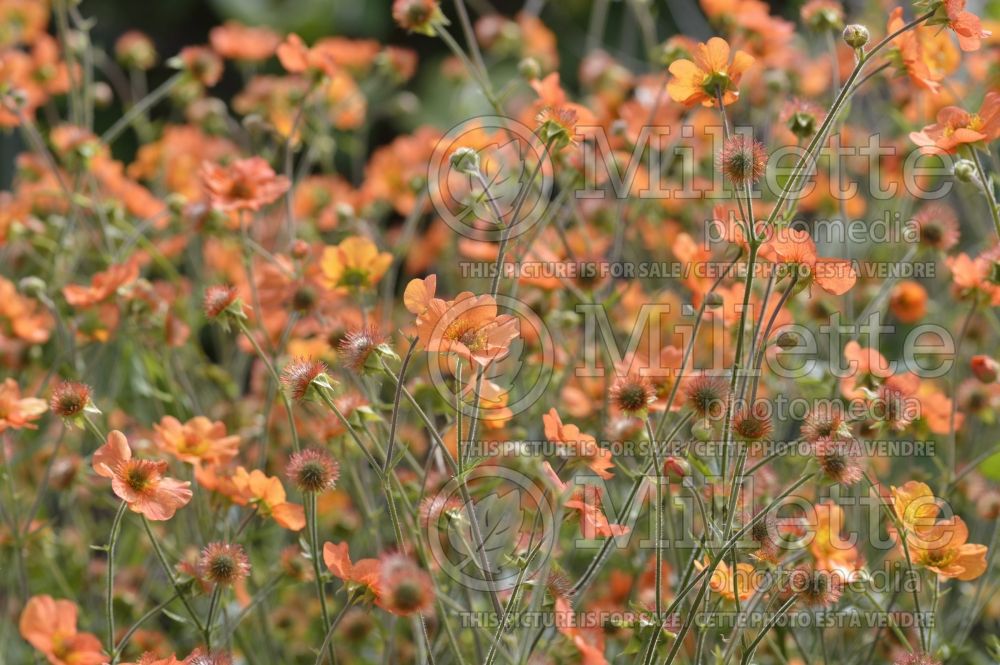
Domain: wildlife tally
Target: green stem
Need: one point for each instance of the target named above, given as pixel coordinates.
(112, 545)
(311, 515)
(140, 108)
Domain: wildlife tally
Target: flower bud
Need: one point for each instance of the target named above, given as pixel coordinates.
(465, 160)
(964, 170)
(676, 469)
(713, 299)
(985, 368)
(529, 69)
(856, 35)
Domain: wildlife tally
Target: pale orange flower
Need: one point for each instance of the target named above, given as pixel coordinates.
(966, 25)
(198, 441)
(944, 549)
(140, 483)
(267, 494)
(468, 326)
(354, 264)
(793, 246)
(586, 501)
(363, 573)
(18, 412)
(578, 444)
(22, 21)
(246, 184)
(49, 625)
(727, 583)
(915, 505)
(711, 74)
(956, 127)
(103, 285)
(236, 41)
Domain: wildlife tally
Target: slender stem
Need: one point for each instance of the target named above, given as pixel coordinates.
(173, 580)
(987, 190)
(274, 377)
(752, 647)
(311, 506)
(140, 108)
(110, 598)
(333, 627)
(391, 446)
(123, 642)
(213, 604)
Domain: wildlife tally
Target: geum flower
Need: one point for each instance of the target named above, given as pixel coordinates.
(198, 441)
(586, 500)
(267, 494)
(711, 75)
(49, 625)
(729, 583)
(578, 444)
(956, 127)
(944, 549)
(966, 25)
(915, 505)
(796, 248)
(467, 326)
(18, 412)
(246, 184)
(354, 264)
(140, 483)
(362, 575)
(103, 285)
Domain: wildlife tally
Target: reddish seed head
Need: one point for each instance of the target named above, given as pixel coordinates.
(218, 298)
(414, 15)
(69, 399)
(404, 587)
(838, 460)
(707, 395)
(742, 160)
(357, 346)
(822, 423)
(816, 588)
(224, 564)
(313, 470)
(937, 226)
(753, 423)
(632, 394)
(299, 375)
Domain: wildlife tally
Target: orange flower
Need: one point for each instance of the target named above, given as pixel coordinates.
(297, 58)
(49, 625)
(966, 25)
(22, 21)
(956, 127)
(944, 549)
(587, 501)
(246, 184)
(578, 444)
(21, 317)
(202, 64)
(914, 505)
(727, 584)
(353, 264)
(796, 247)
(236, 41)
(103, 285)
(467, 326)
(140, 483)
(921, 52)
(908, 301)
(971, 277)
(268, 495)
(365, 573)
(18, 412)
(198, 441)
(709, 76)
